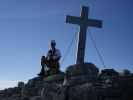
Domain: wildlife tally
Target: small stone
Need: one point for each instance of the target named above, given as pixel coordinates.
(37, 98)
(21, 84)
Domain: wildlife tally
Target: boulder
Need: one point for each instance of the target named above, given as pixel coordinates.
(56, 78)
(32, 88)
(80, 73)
(78, 92)
(35, 86)
(82, 92)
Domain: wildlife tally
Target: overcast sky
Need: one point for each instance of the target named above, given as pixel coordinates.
(27, 26)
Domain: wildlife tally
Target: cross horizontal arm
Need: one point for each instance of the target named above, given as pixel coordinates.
(94, 23)
(73, 20)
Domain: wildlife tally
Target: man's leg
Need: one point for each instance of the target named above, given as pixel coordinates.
(55, 68)
(58, 67)
(42, 72)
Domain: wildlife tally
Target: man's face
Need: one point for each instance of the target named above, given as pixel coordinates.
(53, 45)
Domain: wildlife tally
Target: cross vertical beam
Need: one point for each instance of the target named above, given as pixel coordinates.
(83, 22)
(82, 36)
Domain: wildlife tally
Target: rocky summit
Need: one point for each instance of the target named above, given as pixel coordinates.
(79, 82)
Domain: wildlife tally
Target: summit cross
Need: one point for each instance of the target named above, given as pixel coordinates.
(83, 22)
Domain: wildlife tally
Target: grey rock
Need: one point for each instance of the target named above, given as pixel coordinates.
(21, 84)
(32, 88)
(50, 91)
(82, 69)
(82, 92)
(56, 78)
(37, 98)
(81, 73)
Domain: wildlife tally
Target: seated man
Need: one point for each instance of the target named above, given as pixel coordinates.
(51, 61)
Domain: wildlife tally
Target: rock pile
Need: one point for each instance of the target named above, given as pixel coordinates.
(79, 82)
